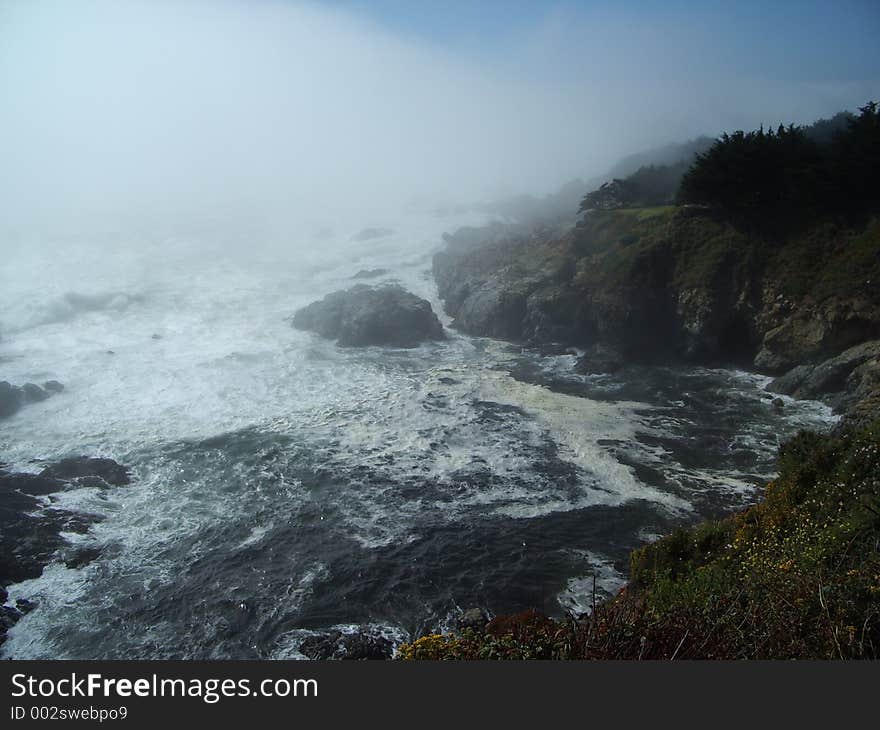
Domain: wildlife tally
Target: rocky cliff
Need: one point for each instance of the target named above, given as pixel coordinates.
(681, 284)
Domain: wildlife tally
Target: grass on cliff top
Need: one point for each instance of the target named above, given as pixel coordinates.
(646, 213)
(703, 251)
(795, 576)
(830, 260)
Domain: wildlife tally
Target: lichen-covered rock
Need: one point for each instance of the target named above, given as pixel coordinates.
(364, 315)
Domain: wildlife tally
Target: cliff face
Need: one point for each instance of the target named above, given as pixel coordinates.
(680, 284)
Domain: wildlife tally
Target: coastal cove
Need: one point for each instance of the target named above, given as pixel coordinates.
(513, 477)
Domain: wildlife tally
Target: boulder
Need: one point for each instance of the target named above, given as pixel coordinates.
(789, 383)
(364, 315)
(474, 619)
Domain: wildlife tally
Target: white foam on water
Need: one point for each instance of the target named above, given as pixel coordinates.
(576, 424)
(601, 581)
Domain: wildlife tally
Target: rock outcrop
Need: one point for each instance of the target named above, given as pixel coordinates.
(850, 382)
(32, 528)
(364, 315)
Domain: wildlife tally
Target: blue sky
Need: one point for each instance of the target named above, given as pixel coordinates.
(803, 40)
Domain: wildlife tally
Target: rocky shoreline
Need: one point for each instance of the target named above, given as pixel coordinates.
(32, 525)
(680, 285)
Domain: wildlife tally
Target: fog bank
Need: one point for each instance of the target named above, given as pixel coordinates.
(294, 110)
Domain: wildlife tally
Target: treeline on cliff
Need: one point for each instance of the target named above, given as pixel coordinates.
(767, 180)
(788, 176)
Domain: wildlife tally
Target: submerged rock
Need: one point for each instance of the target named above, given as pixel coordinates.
(365, 315)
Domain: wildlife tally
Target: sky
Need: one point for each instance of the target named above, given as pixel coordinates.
(294, 109)
(800, 39)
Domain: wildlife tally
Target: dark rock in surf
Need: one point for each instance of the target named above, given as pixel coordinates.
(33, 393)
(10, 399)
(363, 316)
(13, 397)
(32, 527)
(83, 466)
(337, 645)
(35, 485)
(599, 359)
(23, 606)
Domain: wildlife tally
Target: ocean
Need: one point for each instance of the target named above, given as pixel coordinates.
(283, 487)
